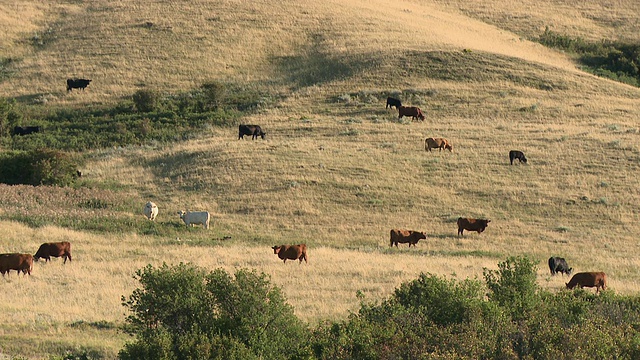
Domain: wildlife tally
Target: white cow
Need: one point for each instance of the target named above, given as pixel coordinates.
(195, 217)
(151, 210)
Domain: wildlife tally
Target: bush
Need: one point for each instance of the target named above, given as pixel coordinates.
(615, 60)
(513, 286)
(182, 312)
(444, 302)
(38, 167)
(145, 100)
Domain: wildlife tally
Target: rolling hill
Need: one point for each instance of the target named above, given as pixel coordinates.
(337, 170)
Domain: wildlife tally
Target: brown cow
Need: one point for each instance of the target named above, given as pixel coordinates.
(472, 225)
(55, 249)
(406, 236)
(17, 262)
(589, 279)
(291, 252)
(433, 143)
(412, 111)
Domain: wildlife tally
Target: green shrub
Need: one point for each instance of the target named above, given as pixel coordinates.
(182, 312)
(612, 59)
(442, 301)
(145, 100)
(38, 167)
(513, 286)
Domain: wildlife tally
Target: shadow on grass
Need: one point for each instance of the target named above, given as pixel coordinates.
(315, 65)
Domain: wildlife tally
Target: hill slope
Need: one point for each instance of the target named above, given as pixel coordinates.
(337, 170)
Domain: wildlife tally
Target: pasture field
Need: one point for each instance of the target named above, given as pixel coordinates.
(337, 170)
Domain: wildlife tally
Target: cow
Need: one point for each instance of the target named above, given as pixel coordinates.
(559, 265)
(151, 210)
(472, 225)
(406, 236)
(26, 130)
(55, 249)
(195, 218)
(412, 111)
(441, 143)
(588, 279)
(291, 252)
(77, 84)
(17, 262)
(517, 154)
(391, 102)
(253, 130)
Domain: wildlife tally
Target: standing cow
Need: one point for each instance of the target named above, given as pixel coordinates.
(291, 252)
(151, 210)
(437, 143)
(471, 225)
(559, 265)
(26, 130)
(253, 130)
(77, 84)
(517, 154)
(399, 236)
(55, 249)
(391, 102)
(412, 111)
(588, 279)
(195, 218)
(17, 262)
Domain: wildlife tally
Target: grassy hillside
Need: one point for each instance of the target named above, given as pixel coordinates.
(337, 169)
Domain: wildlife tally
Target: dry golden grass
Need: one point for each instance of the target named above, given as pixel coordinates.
(337, 170)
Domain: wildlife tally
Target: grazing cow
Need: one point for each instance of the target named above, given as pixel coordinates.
(77, 84)
(406, 236)
(195, 218)
(589, 279)
(26, 130)
(441, 143)
(17, 262)
(517, 154)
(151, 210)
(472, 225)
(391, 102)
(253, 130)
(412, 111)
(291, 252)
(559, 265)
(55, 249)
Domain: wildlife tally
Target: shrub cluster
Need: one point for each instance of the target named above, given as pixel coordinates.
(182, 312)
(147, 116)
(38, 167)
(612, 59)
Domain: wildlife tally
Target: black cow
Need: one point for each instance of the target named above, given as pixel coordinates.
(77, 84)
(26, 130)
(517, 154)
(253, 130)
(559, 265)
(391, 102)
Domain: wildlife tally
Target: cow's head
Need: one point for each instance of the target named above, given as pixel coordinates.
(263, 134)
(422, 235)
(276, 249)
(449, 147)
(181, 213)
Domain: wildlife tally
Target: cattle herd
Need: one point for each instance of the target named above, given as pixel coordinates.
(24, 262)
(401, 236)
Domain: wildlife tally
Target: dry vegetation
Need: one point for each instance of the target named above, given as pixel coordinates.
(337, 170)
